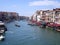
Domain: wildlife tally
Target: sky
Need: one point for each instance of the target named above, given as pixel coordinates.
(28, 7)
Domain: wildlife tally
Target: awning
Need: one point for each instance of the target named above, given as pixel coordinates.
(38, 23)
(57, 25)
(33, 21)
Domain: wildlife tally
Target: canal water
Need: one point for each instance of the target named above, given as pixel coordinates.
(29, 35)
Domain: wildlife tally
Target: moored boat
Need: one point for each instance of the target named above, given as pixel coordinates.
(2, 27)
(29, 22)
(58, 30)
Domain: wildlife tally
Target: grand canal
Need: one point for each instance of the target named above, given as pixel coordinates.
(29, 35)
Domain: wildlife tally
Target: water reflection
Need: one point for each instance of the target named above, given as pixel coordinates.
(30, 35)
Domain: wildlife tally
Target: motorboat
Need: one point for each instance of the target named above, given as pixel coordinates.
(2, 37)
(17, 24)
(2, 27)
(2, 31)
(58, 30)
(29, 23)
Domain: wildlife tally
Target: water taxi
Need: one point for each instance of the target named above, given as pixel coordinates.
(17, 24)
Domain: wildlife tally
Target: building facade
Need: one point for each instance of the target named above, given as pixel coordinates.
(8, 16)
(47, 16)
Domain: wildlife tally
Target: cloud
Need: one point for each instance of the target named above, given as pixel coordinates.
(44, 3)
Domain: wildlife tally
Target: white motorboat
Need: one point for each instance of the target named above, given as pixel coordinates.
(2, 27)
(2, 37)
(17, 24)
(29, 23)
(2, 31)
